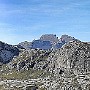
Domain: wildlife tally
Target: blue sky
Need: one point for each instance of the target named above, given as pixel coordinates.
(22, 20)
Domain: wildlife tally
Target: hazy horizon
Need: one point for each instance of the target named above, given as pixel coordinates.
(25, 20)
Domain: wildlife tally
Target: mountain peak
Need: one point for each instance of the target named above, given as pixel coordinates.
(49, 37)
(67, 38)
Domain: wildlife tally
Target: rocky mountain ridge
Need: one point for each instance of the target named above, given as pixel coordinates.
(47, 41)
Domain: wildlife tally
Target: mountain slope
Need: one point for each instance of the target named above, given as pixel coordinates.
(73, 55)
(71, 63)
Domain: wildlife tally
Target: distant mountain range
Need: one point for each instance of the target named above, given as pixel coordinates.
(47, 41)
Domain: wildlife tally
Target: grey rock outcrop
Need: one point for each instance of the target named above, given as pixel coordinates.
(49, 37)
(74, 55)
(7, 52)
(25, 45)
(71, 64)
(31, 58)
(67, 38)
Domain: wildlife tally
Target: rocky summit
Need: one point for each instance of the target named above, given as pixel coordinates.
(58, 68)
(49, 37)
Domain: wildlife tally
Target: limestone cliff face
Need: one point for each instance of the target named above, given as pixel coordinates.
(67, 38)
(7, 52)
(49, 37)
(74, 55)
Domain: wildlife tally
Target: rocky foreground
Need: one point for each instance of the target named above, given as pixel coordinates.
(65, 68)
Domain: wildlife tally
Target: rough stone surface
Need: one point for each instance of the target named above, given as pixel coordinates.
(67, 38)
(7, 52)
(25, 45)
(71, 63)
(74, 55)
(49, 37)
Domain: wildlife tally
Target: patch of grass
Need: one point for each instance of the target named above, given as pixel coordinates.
(1, 87)
(22, 75)
(42, 88)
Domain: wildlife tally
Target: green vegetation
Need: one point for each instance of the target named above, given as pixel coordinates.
(22, 75)
(42, 88)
